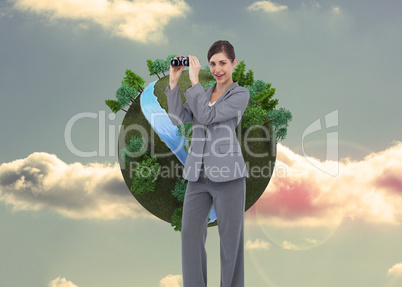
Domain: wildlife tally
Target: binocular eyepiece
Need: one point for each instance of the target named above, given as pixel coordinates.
(180, 61)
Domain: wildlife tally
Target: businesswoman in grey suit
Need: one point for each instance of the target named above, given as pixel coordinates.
(215, 167)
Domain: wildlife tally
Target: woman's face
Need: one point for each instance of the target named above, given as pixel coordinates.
(221, 67)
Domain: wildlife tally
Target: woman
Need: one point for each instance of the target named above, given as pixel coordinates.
(215, 168)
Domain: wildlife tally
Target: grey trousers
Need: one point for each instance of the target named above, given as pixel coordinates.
(229, 201)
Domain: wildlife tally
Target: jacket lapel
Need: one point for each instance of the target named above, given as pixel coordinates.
(231, 87)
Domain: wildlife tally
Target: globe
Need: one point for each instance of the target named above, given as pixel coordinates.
(147, 117)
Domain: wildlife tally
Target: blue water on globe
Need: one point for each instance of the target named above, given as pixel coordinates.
(160, 122)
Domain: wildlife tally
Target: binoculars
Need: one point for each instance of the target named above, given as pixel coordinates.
(180, 61)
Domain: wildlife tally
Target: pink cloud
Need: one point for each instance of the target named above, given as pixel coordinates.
(292, 198)
(390, 180)
(369, 189)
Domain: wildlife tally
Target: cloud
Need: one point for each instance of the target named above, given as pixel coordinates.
(390, 180)
(171, 281)
(303, 195)
(308, 243)
(43, 181)
(336, 10)
(138, 20)
(395, 270)
(258, 244)
(61, 282)
(266, 6)
(289, 246)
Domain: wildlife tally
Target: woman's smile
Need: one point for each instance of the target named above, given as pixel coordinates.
(219, 76)
(221, 67)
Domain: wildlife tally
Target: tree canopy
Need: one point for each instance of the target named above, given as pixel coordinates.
(145, 175)
(239, 75)
(125, 94)
(133, 80)
(113, 105)
(131, 87)
(150, 67)
(264, 98)
(279, 120)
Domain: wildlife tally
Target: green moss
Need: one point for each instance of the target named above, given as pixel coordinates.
(180, 189)
(177, 219)
(144, 176)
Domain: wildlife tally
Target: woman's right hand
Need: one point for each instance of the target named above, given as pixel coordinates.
(174, 76)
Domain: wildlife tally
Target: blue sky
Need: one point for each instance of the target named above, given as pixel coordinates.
(68, 220)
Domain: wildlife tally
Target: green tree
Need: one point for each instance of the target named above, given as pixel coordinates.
(113, 105)
(149, 65)
(259, 86)
(131, 87)
(249, 78)
(250, 88)
(238, 74)
(167, 62)
(177, 218)
(252, 100)
(256, 88)
(166, 67)
(264, 98)
(158, 66)
(133, 80)
(279, 121)
(180, 189)
(125, 95)
(254, 115)
(137, 145)
(145, 175)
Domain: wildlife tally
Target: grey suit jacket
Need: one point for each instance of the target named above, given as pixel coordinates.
(214, 136)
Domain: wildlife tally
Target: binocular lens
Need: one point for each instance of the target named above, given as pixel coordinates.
(175, 62)
(181, 61)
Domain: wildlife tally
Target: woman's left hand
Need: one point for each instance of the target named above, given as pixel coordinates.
(194, 70)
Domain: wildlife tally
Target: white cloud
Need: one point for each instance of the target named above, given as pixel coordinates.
(139, 20)
(42, 181)
(258, 244)
(395, 270)
(289, 246)
(61, 282)
(266, 6)
(312, 241)
(336, 10)
(171, 281)
(370, 189)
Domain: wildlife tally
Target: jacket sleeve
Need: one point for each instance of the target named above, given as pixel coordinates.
(178, 112)
(232, 107)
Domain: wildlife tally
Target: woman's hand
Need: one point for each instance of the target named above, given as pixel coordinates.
(194, 70)
(174, 76)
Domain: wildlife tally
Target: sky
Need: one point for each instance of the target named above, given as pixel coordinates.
(331, 214)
